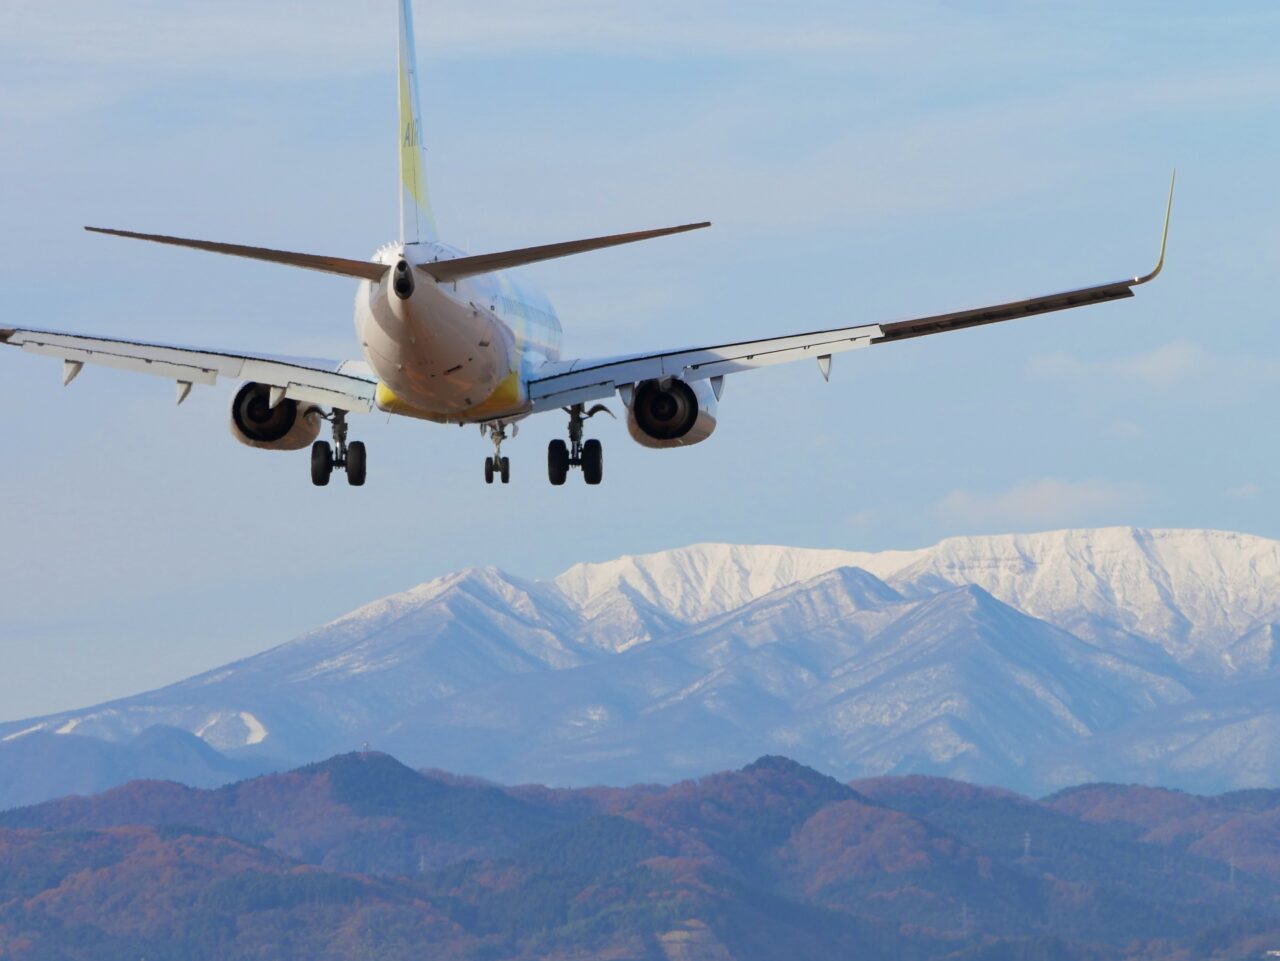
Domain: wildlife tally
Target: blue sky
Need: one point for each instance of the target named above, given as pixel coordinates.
(861, 161)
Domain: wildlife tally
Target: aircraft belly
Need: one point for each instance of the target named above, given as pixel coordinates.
(440, 360)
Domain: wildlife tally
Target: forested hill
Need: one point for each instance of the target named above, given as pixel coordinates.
(360, 856)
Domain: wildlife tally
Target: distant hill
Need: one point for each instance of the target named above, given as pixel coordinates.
(360, 856)
(1032, 661)
(42, 765)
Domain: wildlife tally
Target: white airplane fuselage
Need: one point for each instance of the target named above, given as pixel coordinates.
(455, 352)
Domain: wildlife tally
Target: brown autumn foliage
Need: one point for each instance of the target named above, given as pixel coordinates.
(361, 857)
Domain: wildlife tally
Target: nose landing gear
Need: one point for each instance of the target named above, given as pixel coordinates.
(349, 457)
(589, 455)
(497, 465)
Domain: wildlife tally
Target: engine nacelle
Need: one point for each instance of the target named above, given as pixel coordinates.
(671, 413)
(287, 426)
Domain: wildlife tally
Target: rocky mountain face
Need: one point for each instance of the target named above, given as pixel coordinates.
(361, 856)
(1027, 661)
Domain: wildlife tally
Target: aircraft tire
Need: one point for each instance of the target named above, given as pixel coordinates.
(558, 462)
(593, 462)
(488, 470)
(357, 463)
(321, 463)
(504, 470)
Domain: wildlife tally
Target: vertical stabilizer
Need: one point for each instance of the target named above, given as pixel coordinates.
(417, 224)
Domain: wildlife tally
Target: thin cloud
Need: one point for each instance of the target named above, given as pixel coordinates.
(1124, 430)
(1181, 367)
(329, 36)
(1244, 491)
(1041, 503)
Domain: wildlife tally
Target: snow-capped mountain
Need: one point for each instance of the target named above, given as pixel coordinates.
(1030, 661)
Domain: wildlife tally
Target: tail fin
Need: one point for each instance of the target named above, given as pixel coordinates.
(417, 224)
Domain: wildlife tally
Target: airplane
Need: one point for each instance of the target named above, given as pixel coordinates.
(458, 338)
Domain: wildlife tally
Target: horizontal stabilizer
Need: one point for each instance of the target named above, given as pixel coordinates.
(449, 270)
(330, 265)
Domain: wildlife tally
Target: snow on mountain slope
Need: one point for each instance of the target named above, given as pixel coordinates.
(694, 583)
(1026, 660)
(966, 686)
(1189, 595)
(831, 614)
(1228, 736)
(1192, 593)
(355, 677)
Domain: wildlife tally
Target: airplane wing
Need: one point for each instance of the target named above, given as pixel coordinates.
(562, 384)
(346, 385)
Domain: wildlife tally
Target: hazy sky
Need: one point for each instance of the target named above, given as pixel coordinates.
(861, 161)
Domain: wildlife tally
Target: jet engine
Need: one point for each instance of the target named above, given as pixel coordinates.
(671, 413)
(287, 426)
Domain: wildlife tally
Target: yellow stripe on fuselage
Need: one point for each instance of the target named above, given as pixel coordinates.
(508, 399)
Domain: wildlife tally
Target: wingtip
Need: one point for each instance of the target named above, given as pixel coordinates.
(1164, 234)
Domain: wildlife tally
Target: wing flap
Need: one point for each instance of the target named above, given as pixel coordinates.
(327, 382)
(133, 364)
(559, 385)
(961, 319)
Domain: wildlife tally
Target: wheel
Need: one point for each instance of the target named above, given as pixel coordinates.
(592, 462)
(504, 469)
(488, 470)
(321, 463)
(558, 462)
(357, 463)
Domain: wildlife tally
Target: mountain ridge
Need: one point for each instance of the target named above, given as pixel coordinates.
(1029, 660)
(358, 855)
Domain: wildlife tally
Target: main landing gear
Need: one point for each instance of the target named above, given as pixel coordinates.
(497, 465)
(349, 457)
(589, 455)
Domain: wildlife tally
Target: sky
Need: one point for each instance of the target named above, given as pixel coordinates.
(860, 161)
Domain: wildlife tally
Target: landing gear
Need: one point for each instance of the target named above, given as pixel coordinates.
(589, 455)
(356, 463)
(497, 465)
(593, 462)
(321, 463)
(558, 462)
(349, 457)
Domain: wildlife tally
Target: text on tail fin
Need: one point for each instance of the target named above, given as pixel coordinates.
(417, 223)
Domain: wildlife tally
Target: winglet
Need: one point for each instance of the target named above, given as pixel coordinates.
(1164, 237)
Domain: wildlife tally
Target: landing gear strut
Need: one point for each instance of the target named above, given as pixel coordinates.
(497, 465)
(349, 457)
(589, 455)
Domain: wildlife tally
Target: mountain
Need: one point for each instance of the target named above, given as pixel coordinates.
(365, 812)
(1031, 661)
(1192, 594)
(360, 856)
(1233, 727)
(41, 765)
